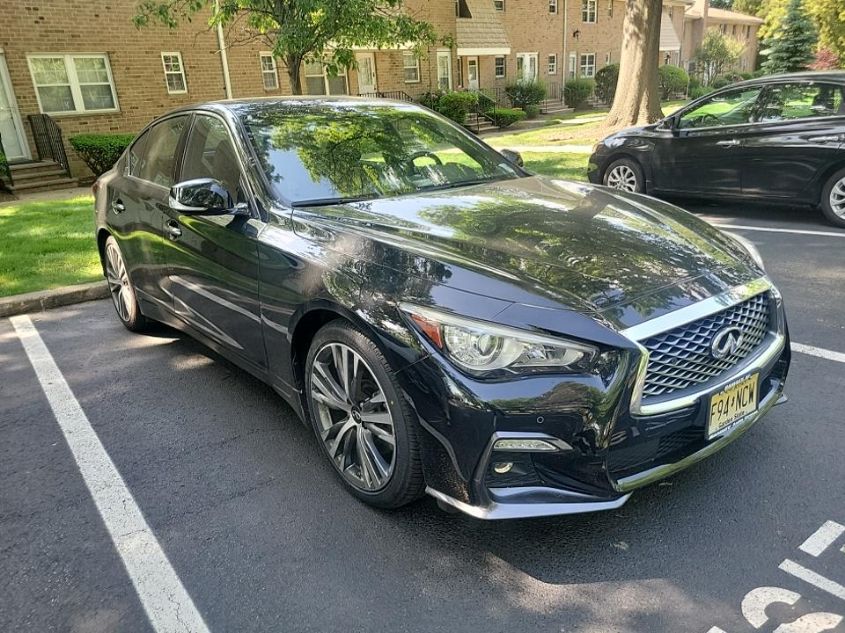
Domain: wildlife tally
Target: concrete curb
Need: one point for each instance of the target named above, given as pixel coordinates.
(46, 299)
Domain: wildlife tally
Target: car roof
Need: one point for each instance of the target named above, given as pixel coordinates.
(833, 76)
(258, 105)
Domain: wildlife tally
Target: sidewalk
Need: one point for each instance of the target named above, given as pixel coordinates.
(42, 196)
(544, 149)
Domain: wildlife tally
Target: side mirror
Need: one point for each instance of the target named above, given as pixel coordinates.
(670, 123)
(513, 157)
(203, 196)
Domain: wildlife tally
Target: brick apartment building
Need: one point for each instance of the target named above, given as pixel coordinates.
(85, 64)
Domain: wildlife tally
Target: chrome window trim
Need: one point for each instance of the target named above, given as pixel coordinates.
(686, 315)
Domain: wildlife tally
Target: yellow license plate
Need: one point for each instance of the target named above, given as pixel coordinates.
(733, 402)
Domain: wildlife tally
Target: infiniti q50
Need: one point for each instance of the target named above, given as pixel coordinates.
(446, 322)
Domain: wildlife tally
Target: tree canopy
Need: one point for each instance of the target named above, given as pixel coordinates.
(298, 31)
(716, 53)
(792, 45)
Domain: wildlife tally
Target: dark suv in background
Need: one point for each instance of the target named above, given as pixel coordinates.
(779, 138)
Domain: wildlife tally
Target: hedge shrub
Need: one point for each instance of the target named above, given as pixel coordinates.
(503, 117)
(719, 82)
(606, 80)
(456, 105)
(525, 93)
(699, 91)
(577, 91)
(673, 79)
(100, 151)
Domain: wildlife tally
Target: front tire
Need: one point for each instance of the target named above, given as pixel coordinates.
(121, 289)
(625, 174)
(833, 199)
(364, 425)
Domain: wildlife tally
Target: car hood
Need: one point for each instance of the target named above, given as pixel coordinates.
(536, 241)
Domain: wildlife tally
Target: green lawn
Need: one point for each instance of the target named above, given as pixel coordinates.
(557, 165)
(577, 129)
(47, 244)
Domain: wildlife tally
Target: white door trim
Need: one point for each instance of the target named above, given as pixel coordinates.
(13, 103)
(372, 57)
(448, 55)
(474, 60)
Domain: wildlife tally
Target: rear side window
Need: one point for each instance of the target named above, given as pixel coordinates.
(788, 102)
(210, 153)
(156, 157)
(136, 152)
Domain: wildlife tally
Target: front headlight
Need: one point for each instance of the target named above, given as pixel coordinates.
(749, 247)
(482, 348)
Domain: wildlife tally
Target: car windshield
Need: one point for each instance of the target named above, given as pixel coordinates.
(334, 152)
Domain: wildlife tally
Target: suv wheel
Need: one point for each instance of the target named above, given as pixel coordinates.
(833, 198)
(121, 289)
(364, 425)
(625, 174)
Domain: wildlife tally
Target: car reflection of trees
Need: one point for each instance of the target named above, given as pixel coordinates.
(522, 236)
(358, 150)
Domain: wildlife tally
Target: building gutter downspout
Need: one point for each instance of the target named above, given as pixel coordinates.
(224, 57)
(565, 61)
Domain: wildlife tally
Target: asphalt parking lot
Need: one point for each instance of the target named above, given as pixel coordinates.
(262, 537)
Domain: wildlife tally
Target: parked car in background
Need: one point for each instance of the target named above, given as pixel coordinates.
(778, 139)
(446, 323)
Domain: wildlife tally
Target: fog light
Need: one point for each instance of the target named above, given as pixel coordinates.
(524, 444)
(500, 468)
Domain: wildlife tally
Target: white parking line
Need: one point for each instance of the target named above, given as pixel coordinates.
(822, 538)
(817, 580)
(774, 230)
(827, 354)
(165, 600)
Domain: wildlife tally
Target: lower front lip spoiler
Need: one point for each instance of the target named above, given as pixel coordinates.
(511, 503)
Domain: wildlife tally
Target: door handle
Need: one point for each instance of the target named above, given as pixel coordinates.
(731, 143)
(829, 138)
(117, 206)
(173, 230)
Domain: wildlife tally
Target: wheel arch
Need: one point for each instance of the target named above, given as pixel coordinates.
(824, 176)
(102, 235)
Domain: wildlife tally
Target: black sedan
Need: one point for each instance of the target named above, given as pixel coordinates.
(778, 139)
(512, 345)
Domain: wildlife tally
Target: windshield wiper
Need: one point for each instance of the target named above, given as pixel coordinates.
(455, 185)
(327, 202)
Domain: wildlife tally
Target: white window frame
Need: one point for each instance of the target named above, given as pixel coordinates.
(499, 5)
(589, 11)
(552, 63)
(268, 72)
(607, 58)
(447, 55)
(73, 82)
(585, 65)
(180, 72)
(552, 6)
(504, 67)
(416, 67)
(572, 73)
(610, 8)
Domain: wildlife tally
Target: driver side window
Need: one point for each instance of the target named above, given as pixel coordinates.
(735, 107)
(210, 153)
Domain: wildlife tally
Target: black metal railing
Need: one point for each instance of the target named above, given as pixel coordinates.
(399, 95)
(6, 182)
(48, 140)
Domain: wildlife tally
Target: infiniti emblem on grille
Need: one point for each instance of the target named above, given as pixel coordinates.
(726, 342)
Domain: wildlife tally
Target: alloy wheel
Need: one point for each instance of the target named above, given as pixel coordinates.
(837, 198)
(118, 280)
(353, 418)
(622, 177)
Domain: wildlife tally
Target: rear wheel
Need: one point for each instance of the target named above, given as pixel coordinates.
(626, 175)
(365, 427)
(833, 199)
(121, 289)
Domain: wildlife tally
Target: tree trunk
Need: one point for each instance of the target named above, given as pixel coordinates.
(294, 65)
(637, 100)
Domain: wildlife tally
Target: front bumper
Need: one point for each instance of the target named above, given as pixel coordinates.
(605, 451)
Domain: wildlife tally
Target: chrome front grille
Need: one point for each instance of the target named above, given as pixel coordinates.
(682, 358)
